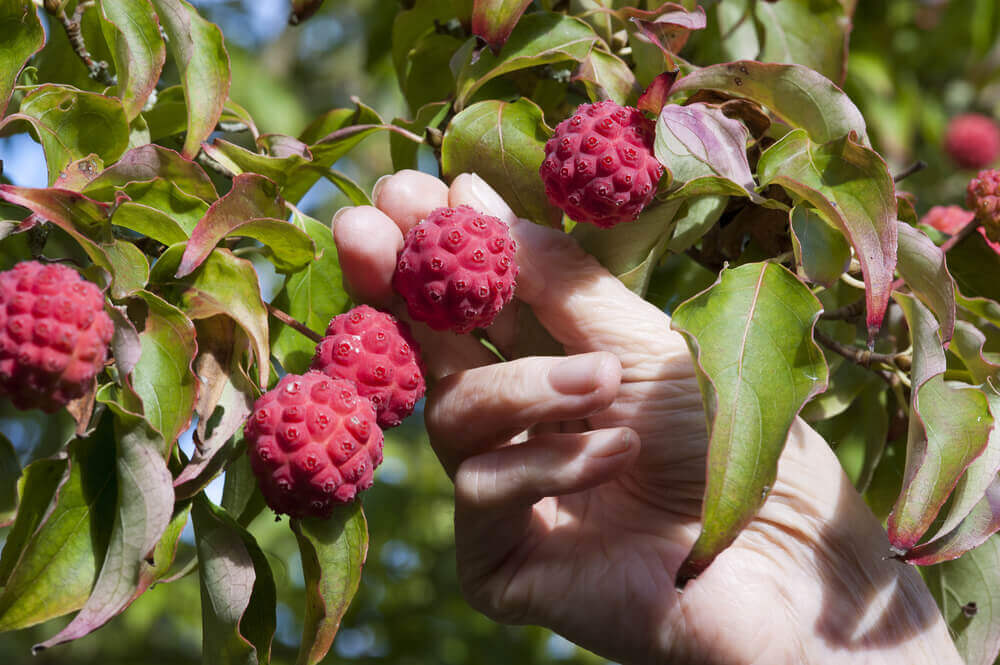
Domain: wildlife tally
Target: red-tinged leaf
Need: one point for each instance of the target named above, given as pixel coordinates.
(71, 211)
(606, 76)
(922, 264)
(79, 173)
(333, 554)
(223, 284)
(126, 346)
(851, 187)
(967, 590)
(699, 140)
(238, 597)
(798, 95)
(667, 27)
(197, 48)
(145, 164)
(144, 508)
(302, 10)
(225, 388)
(981, 523)
(23, 37)
(750, 335)
(133, 34)
(252, 196)
(494, 20)
(655, 96)
(949, 428)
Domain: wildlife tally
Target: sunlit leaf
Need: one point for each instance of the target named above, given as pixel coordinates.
(23, 37)
(820, 249)
(493, 20)
(133, 33)
(751, 336)
(923, 267)
(145, 164)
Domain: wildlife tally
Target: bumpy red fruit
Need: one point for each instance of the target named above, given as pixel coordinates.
(54, 335)
(983, 198)
(376, 352)
(457, 269)
(599, 165)
(947, 219)
(972, 140)
(313, 444)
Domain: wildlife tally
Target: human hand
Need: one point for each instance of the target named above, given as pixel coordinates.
(579, 480)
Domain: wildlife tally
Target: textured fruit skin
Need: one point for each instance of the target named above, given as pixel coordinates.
(313, 444)
(972, 140)
(457, 269)
(599, 166)
(983, 198)
(947, 219)
(54, 335)
(376, 352)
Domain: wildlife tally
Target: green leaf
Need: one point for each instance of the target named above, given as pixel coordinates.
(10, 471)
(981, 522)
(133, 33)
(35, 489)
(165, 204)
(798, 95)
(403, 150)
(805, 32)
(820, 249)
(751, 338)
(973, 578)
(504, 143)
(540, 38)
(858, 435)
(333, 554)
(922, 265)
(631, 251)
(412, 24)
(428, 77)
(313, 296)
(73, 124)
(237, 589)
(63, 546)
(976, 269)
(851, 187)
(144, 165)
(606, 76)
(696, 217)
(240, 493)
(197, 48)
(223, 284)
(23, 37)
(949, 428)
(163, 377)
(144, 508)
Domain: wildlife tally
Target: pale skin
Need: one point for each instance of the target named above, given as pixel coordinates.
(578, 479)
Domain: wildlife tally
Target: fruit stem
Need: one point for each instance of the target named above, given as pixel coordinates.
(302, 328)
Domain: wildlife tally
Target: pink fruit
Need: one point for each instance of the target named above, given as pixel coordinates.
(456, 270)
(377, 353)
(54, 335)
(972, 140)
(983, 198)
(599, 165)
(313, 444)
(947, 219)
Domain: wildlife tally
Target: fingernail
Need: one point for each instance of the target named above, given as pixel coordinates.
(490, 201)
(621, 442)
(377, 188)
(577, 375)
(336, 216)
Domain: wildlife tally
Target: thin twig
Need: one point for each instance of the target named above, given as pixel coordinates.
(862, 357)
(97, 69)
(915, 167)
(292, 323)
(845, 313)
(357, 129)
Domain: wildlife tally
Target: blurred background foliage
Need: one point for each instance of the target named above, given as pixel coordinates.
(912, 64)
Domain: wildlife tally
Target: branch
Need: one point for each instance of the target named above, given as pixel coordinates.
(292, 323)
(97, 69)
(915, 167)
(865, 358)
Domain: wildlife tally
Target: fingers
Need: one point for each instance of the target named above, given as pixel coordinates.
(367, 243)
(580, 303)
(546, 465)
(477, 409)
(409, 196)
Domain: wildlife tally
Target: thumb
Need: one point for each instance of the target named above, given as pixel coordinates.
(583, 306)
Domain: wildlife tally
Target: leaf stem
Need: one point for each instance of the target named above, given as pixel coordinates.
(97, 69)
(915, 167)
(302, 328)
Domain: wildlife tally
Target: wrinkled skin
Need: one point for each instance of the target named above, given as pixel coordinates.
(578, 481)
